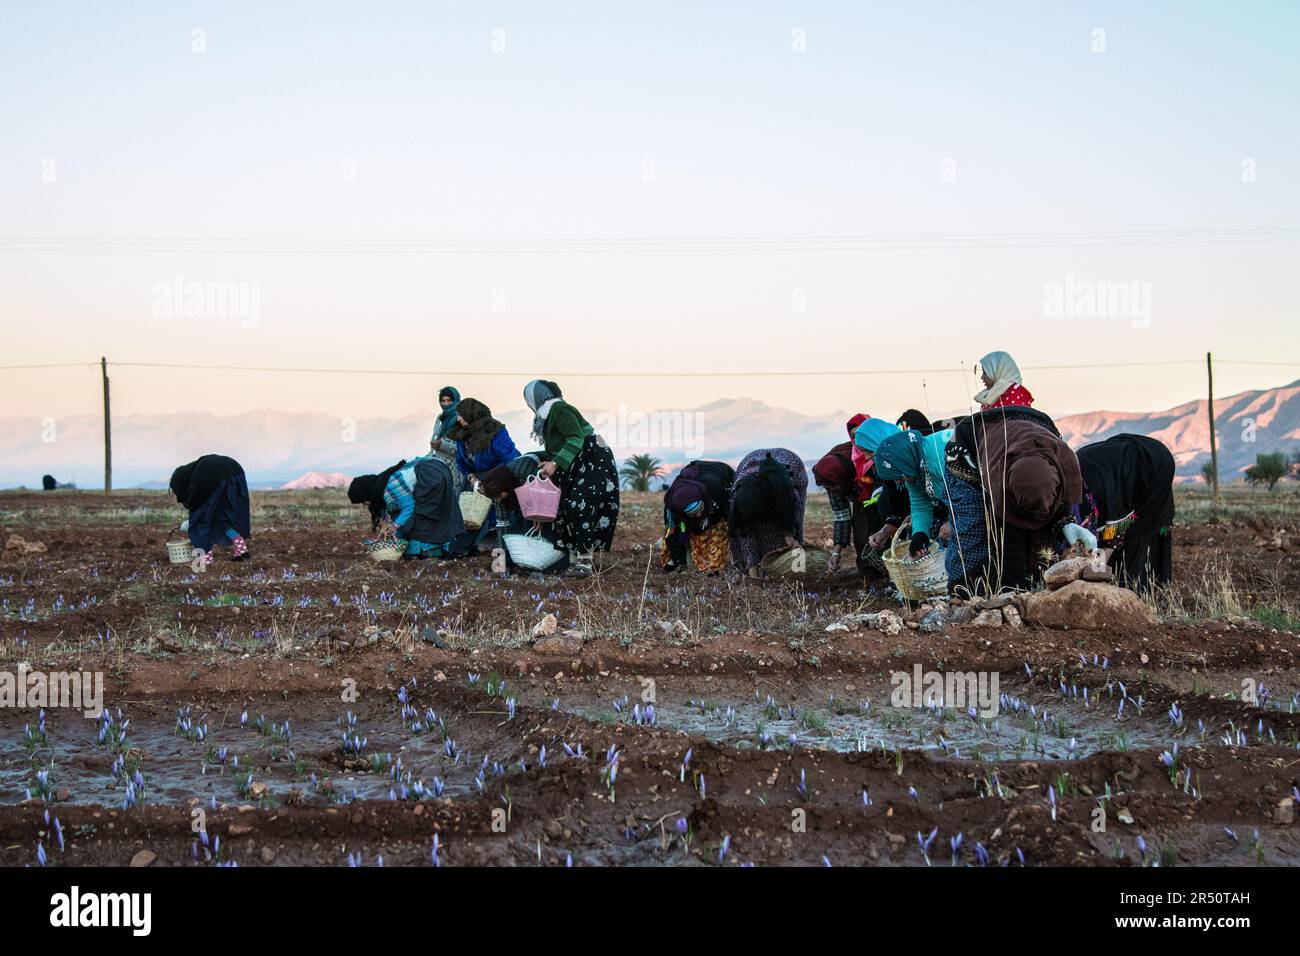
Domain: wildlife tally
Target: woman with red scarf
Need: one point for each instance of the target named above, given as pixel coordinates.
(1002, 383)
(846, 473)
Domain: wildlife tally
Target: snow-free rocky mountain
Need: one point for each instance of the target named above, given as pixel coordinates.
(320, 450)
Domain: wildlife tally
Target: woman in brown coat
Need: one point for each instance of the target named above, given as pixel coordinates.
(1011, 485)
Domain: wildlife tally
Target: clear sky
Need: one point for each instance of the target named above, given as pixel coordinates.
(366, 128)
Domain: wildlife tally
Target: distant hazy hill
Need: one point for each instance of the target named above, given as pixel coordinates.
(317, 479)
(275, 447)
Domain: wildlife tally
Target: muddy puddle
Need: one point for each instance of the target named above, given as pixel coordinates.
(155, 754)
(1027, 722)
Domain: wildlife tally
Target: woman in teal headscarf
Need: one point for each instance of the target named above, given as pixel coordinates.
(872, 432)
(440, 444)
(918, 461)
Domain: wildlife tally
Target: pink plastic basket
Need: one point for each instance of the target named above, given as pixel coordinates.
(539, 499)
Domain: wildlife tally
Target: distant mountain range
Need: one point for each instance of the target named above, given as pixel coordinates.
(320, 450)
(1245, 425)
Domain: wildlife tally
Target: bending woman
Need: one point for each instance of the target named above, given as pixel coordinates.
(848, 474)
(584, 467)
(214, 491)
(482, 443)
(499, 484)
(696, 506)
(1128, 503)
(767, 506)
(1011, 488)
(418, 499)
(917, 461)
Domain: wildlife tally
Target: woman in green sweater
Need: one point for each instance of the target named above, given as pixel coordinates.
(583, 466)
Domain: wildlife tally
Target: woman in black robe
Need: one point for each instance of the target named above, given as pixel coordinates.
(1128, 503)
(214, 491)
(696, 506)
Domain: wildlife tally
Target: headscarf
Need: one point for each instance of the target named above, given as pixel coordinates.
(899, 456)
(834, 470)
(369, 489)
(914, 419)
(766, 496)
(447, 418)
(871, 433)
(540, 395)
(685, 492)
(479, 428)
(1028, 474)
(860, 459)
(1004, 371)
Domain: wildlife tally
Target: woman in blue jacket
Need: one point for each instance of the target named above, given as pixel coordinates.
(918, 461)
(482, 444)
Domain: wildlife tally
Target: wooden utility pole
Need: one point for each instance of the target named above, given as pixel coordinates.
(1209, 375)
(108, 430)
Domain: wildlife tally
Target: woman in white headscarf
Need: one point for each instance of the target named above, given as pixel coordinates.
(1002, 383)
(583, 466)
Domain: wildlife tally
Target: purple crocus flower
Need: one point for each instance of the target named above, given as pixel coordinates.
(725, 849)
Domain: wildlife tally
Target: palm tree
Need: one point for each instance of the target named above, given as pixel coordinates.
(1207, 472)
(638, 470)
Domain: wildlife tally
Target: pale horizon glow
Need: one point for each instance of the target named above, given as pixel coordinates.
(600, 124)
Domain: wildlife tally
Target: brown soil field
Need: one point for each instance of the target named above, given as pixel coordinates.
(311, 706)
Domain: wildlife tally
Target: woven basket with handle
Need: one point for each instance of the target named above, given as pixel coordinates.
(386, 549)
(539, 499)
(531, 551)
(916, 579)
(179, 552)
(474, 509)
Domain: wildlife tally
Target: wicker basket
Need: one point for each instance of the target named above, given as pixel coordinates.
(386, 549)
(918, 579)
(784, 561)
(531, 551)
(474, 509)
(180, 552)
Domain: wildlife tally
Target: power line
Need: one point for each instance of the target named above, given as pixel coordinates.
(635, 374)
(727, 373)
(54, 365)
(587, 245)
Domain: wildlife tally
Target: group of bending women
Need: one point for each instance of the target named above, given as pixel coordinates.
(418, 500)
(998, 491)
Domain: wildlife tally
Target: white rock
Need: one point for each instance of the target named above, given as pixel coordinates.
(889, 622)
(546, 626)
